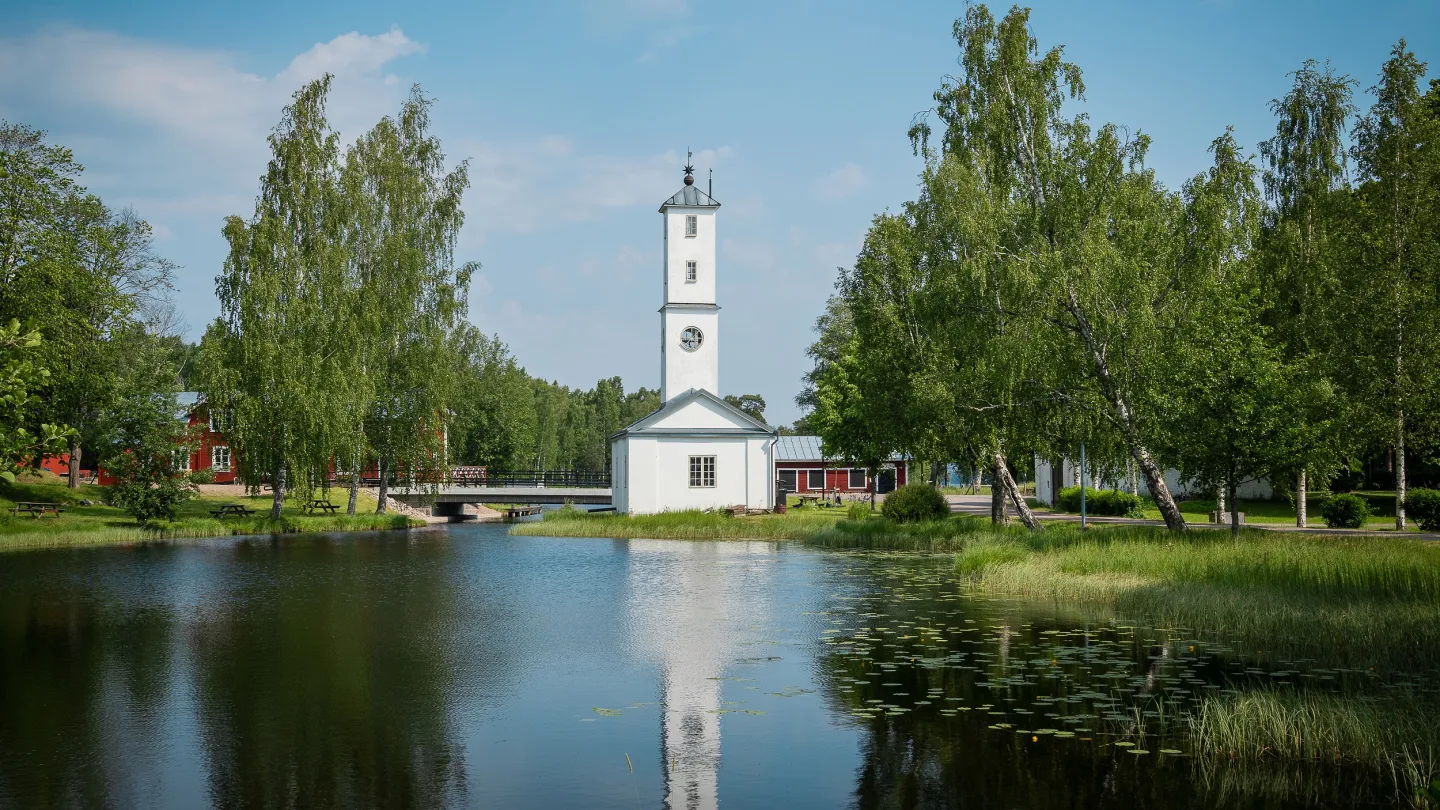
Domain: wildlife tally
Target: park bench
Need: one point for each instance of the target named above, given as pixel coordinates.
(37, 509)
(231, 509)
(321, 505)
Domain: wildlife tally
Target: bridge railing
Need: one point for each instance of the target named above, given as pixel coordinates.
(482, 477)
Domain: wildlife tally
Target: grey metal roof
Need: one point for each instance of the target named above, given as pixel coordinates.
(186, 400)
(691, 196)
(807, 448)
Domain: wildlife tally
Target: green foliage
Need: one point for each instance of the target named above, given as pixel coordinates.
(915, 503)
(19, 375)
(1100, 502)
(205, 476)
(684, 525)
(1345, 511)
(1424, 506)
(858, 510)
(148, 439)
(752, 404)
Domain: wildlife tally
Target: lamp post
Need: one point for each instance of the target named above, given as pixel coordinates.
(1083, 525)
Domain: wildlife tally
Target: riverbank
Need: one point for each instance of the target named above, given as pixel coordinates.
(796, 524)
(87, 521)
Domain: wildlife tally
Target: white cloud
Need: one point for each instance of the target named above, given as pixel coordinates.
(350, 54)
(522, 186)
(846, 181)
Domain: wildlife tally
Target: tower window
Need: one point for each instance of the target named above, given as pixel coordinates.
(691, 224)
(690, 272)
(702, 471)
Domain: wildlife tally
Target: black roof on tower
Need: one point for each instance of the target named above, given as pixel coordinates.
(692, 197)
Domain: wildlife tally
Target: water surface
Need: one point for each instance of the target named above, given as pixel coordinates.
(460, 667)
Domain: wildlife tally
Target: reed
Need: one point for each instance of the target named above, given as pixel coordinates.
(44, 536)
(685, 525)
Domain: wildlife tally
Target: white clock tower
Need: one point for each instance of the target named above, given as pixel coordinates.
(697, 451)
(689, 317)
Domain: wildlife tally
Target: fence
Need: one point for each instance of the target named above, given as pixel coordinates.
(482, 477)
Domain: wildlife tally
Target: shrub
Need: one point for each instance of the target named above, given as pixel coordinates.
(913, 503)
(859, 510)
(1101, 502)
(205, 476)
(1345, 511)
(1424, 506)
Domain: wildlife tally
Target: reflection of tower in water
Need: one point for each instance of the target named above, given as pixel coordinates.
(691, 605)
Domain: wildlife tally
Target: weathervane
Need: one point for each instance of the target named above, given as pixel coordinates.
(689, 170)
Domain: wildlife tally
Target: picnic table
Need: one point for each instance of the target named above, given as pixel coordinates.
(36, 509)
(322, 505)
(231, 509)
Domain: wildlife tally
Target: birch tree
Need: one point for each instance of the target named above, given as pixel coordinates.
(1394, 284)
(283, 348)
(408, 214)
(1305, 164)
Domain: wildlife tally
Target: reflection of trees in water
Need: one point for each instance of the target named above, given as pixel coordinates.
(323, 679)
(81, 683)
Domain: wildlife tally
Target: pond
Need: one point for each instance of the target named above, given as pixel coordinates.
(461, 667)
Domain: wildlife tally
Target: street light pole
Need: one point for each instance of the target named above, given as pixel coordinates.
(1083, 525)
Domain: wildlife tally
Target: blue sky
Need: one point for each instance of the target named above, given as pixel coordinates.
(575, 118)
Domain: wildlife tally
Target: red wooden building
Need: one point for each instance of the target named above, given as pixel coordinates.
(211, 450)
(801, 468)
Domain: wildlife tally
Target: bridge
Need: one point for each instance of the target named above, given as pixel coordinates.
(477, 485)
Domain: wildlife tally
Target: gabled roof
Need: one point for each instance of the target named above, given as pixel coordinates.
(747, 423)
(692, 197)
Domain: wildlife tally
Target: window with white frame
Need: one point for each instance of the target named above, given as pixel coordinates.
(702, 471)
(218, 422)
(690, 271)
(220, 458)
(814, 479)
(857, 478)
(181, 460)
(692, 224)
(789, 479)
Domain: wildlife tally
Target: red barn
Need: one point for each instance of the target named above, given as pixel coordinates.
(802, 468)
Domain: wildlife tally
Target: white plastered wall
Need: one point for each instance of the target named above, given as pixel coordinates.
(680, 248)
(683, 370)
(658, 473)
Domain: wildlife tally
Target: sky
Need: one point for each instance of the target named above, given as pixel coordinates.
(575, 118)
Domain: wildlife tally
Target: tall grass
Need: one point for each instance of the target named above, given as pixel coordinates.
(686, 525)
(67, 536)
(1398, 735)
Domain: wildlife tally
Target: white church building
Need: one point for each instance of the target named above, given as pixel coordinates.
(696, 451)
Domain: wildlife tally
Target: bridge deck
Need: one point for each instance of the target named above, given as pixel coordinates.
(506, 495)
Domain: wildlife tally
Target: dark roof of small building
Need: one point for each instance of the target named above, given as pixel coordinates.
(690, 196)
(808, 448)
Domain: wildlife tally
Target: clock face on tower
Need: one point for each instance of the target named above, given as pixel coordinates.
(691, 338)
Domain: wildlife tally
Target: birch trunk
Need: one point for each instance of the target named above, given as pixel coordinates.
(997, 496)
(1234, 512)
(74, 474)
(1302, 491)
(1125, 420)
(278, 491)
(1400, 470)
(1022, 509)
(354, 488)
(384, 486)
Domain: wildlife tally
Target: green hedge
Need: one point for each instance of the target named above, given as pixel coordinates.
(914, 503)
(1100, 502)
(1345, 511)
(1424, 506)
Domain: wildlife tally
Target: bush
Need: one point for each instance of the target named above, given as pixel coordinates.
(859, 510)
(1101, 502)
(914, 503)
(1424, 506)
(205, 476)
(1344, 511)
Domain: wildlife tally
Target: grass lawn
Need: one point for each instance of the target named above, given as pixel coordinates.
(99, 524)
(796, 524)
(1279, 512)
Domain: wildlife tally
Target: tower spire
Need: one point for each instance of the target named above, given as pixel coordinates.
(689, 169)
